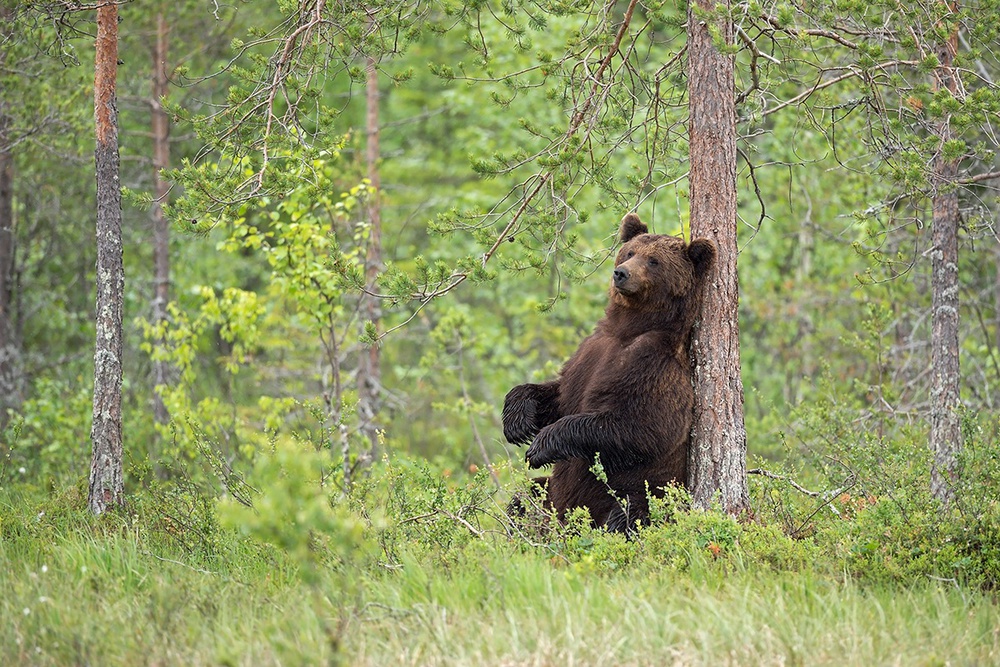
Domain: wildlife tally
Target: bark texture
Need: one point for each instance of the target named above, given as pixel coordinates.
(161, 229)
(106, 433)
(369, 367)
(945, 431)
(717, 463)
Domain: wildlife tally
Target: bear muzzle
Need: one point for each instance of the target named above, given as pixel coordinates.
(621, 276)
(626, 282)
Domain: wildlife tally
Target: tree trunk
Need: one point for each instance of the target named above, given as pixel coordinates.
(945, 431)
(10, 350)
(161, 229)
(369, 370)
(996, 298)
(106, 433)
(717, 463)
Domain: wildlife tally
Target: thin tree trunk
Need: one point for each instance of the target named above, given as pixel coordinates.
(9, 349)
(369, 369)
(717, 464)
(161, 229)
(9, 346)
(806, 243)
(334, 405)
(945, 431)
(106, 433)
(996, 299)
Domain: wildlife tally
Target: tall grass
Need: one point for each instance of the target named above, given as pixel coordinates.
(525, 612)
(123, 591)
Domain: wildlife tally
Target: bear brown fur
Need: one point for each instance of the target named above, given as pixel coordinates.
(626, 394)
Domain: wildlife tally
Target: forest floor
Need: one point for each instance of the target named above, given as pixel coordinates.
(150, 587)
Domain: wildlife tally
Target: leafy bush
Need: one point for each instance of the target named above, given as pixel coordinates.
(295, 508)
(47, 441)
(411, 508)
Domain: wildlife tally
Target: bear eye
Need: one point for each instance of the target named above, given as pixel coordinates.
(653, 261)
(630, 255)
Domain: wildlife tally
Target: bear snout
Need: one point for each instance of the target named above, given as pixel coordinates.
(621, 276)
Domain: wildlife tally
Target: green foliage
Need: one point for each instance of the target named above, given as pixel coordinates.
(268, 145)
(42, 440)
(294, 509)
(415, 511)
(235, 319)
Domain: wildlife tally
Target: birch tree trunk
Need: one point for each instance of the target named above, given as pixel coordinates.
(161, 229)
(945, 431)
(717, 460)
(106, 433)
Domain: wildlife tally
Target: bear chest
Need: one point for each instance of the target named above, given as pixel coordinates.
(605, 368)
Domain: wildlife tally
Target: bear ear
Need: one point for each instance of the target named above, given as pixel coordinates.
(631, 227)
(702, 255)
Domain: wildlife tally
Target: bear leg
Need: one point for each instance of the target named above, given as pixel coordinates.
(629, 513)
(534, 498)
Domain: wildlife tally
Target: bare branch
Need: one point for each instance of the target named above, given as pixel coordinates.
(791, 482)
(979, 178)
(821, 84)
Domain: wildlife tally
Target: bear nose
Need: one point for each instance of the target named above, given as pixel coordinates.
(621, 275)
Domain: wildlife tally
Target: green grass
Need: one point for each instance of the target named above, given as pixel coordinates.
(128, 591)
(545, 617)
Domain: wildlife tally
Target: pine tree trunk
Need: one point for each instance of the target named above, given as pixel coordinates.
(369, 370)
(161, 229)
(717, 462)
(106, 433)
(945, 431)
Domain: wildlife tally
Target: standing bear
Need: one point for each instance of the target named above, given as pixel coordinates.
(626, 394)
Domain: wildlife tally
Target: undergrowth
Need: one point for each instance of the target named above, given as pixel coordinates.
(276, 564)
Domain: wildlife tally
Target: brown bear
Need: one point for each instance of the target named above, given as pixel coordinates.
(626, 394)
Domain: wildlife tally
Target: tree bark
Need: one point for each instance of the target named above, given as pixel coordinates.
(945, 428)
(161, 229)
(369, 368)
(106, 481)
(10, 349)
(717, 460)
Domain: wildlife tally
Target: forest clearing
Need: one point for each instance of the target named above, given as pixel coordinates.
(299, 301)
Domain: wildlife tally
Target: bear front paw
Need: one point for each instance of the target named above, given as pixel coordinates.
(543, 450)
(518, 417)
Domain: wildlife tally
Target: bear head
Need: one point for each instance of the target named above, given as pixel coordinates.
(655, 270)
